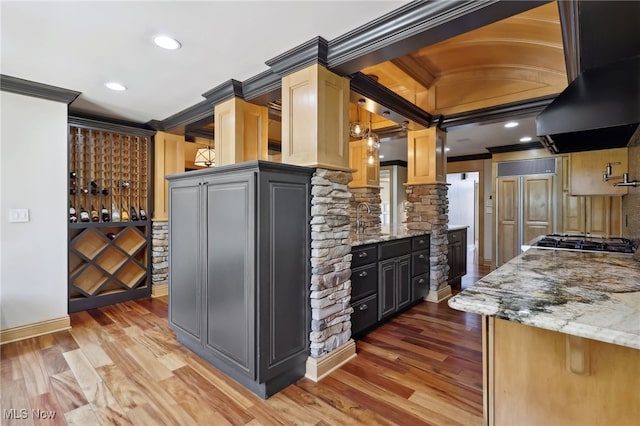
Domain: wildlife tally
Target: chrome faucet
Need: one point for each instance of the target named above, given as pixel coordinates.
(360, 224)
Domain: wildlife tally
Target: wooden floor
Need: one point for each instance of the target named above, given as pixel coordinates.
(121, 365)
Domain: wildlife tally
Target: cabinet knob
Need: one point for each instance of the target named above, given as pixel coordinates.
(421, 256)
(364, 307)
(363, 254)
(421, 281)
(421, 241)
(363, 274)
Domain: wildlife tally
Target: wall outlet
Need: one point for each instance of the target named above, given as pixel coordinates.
(18, 215)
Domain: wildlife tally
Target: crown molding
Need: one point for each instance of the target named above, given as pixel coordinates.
(37, 90)
(570, 27)
(110, 125)
(263, 88)
(225, 91)
(312, 52)
(414, 26)
(516, 147)
(498, 113)
(484, 156)
(185, 117)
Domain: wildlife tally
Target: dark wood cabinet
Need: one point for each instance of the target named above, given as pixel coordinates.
(239, 270)
(457, 256)
(364, 288)
(420, 267)
(394, 273)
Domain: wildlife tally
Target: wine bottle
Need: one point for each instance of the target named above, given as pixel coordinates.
(105, 214)
(134, 215)
(115, 213)
(143, 214)
(84, 215)
(94, 214)
(73, 217)
(72, 175)
(124, 215)
(94, 187)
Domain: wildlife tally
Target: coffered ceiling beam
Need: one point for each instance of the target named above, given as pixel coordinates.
(414, 26)
(386, 103)
(497, 113)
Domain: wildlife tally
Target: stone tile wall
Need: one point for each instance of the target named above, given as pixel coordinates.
(330, 261)
(371, 196)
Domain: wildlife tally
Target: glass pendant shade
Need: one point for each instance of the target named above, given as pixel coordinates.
(356, 129)
(205, 157)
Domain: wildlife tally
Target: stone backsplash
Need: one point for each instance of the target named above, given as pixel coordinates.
(370, 216)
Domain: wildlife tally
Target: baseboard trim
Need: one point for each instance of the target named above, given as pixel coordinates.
(159, 290)
(437, 296)
(23, 332)
(319, 368)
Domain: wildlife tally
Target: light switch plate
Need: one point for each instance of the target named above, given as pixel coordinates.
(18, 215)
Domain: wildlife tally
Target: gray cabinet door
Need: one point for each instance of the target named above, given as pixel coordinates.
(185, 267)
(284, 275)
(230, 273)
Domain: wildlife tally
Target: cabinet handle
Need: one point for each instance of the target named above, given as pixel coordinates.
(421, 256)
(364, 307)
(363, 254)
(421, 242)
(421, 281)
(363, 274)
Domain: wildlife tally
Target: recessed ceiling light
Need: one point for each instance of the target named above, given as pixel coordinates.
(511, 124)
(380, 156)
(115, 86)
(525, 139)
(447, 149)
(167, 42)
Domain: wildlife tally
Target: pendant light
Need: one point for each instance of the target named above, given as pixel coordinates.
(356, 129)
(205, 157)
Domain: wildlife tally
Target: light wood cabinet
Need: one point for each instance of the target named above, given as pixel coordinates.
(586, 171)
(596, 215)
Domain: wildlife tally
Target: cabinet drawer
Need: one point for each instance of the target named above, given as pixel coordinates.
(363, 255)
(420, 286)
(365, 314)
(453, 236)
(394, 249)
(419, 262)
(364, 281)
(420, 243)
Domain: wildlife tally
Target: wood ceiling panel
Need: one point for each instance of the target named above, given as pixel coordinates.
(511, 60)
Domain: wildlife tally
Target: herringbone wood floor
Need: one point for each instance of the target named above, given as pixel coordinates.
(121, 365)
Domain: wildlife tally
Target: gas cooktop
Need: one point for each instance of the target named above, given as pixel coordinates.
(586, 243)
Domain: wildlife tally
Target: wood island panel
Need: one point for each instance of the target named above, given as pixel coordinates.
(529, 381)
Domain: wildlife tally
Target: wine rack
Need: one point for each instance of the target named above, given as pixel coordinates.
(109, 179)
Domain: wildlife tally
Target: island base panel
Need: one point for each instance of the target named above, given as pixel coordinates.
(529, 381)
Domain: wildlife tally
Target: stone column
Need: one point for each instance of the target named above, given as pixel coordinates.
(428, 204)
(159, 258)
(330, 262)
(428, 210)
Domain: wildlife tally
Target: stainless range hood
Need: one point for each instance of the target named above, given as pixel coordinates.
(599, 109)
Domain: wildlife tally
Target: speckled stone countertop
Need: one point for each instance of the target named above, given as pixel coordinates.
(388, 233)
(588, 294)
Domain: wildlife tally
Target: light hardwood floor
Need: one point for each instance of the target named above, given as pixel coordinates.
(121, 364)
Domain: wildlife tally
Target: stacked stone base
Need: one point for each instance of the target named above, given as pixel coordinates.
(428, 210)
(330, 262)
(159, 254)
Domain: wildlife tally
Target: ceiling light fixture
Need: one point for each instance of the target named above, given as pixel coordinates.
(525, 139)
(167, 42)
(205, 157)
(447, 149)
(113, 85)
(511, 124)
(356, 129)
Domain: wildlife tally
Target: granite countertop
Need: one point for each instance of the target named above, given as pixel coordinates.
(388, 233)
(587, 294)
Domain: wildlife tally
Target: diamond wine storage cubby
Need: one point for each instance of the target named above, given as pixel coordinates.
(109, 179)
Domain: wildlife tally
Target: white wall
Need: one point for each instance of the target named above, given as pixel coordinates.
(33, 175)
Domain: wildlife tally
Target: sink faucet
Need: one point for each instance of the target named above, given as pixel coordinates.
(360, 224)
